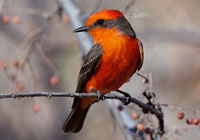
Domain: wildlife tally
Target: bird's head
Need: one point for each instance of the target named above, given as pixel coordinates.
(105, 21)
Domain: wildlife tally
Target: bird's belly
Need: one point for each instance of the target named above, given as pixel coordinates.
(114, 70)
(114, 74)
(117, 65)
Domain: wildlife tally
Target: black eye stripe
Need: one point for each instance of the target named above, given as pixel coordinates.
(120, 23)
(100, 21)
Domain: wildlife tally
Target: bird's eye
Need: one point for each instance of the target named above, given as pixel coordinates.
(100, 21)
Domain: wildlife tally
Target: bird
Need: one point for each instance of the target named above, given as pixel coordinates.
(115, 56)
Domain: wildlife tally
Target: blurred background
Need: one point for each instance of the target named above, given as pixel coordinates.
(169, 30)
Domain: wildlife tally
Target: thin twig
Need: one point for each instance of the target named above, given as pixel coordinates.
(32, 76)
(23, 11)
(34, 36)
(146, 79)
(45, 58)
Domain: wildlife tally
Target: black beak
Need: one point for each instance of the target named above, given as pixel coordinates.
(82, 29)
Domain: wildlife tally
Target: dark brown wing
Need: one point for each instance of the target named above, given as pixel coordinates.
(141, 57)
(90, 63)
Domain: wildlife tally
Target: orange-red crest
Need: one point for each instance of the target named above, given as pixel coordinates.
(104, 14)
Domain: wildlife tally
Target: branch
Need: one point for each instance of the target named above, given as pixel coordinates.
(76, 20)
(111, 95)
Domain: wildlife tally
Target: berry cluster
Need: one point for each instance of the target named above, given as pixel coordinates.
(7, 19)
(19, 86)
(194, 121)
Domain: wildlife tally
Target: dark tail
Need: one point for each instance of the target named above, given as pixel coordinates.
(75, 120)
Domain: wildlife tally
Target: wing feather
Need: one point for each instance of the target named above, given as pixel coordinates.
(91, 62)
(141, 57)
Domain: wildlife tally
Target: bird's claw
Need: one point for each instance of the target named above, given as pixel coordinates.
(128, 97)
(100, 95)
(127, 101)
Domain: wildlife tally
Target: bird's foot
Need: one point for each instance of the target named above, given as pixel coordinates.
(128, 96)
(100, 97)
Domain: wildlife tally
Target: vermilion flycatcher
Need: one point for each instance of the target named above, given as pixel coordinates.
(113, 59)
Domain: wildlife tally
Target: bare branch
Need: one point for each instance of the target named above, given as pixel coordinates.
(45, 57)
(29, 11)
(76, 20)
(111, 95)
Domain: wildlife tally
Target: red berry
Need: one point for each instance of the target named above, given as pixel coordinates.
(65, 19)
(145, 111)
(20, 86)
(16, 20)
(54, 80)
(3, 64)
(180, 115)
(15, 62)
(195, 121)
(135, 115)
(189, 120)
(5, 19)
(120, 107)
(140, 127)
(148, 130)
(36, 108)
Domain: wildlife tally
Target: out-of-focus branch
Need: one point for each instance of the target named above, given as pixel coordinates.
(29, 43)
(46, 59)
(76, 20)
(23, 11)
(31, 39)
(1, 5)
